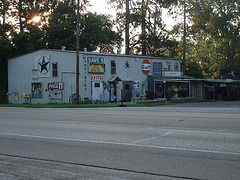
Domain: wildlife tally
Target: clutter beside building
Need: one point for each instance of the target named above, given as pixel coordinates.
(49, 76)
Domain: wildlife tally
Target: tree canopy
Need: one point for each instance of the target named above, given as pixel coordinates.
(147, 34)
(212, 36)
(20, 34)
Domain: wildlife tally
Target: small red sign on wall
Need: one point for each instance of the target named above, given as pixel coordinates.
(146, 67)
(97, 78)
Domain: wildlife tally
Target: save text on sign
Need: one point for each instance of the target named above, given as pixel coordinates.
(96, 60)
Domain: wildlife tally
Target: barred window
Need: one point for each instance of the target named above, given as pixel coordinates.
(157, 67)
(54, 69)
(113, 67)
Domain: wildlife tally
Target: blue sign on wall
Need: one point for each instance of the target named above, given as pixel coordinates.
(210, 88)
(95, 60)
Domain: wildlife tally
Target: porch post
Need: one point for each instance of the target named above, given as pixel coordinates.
(189, 87)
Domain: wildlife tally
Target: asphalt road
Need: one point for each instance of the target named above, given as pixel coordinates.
(181, 141)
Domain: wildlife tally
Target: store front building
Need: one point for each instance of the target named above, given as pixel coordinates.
(49, 76)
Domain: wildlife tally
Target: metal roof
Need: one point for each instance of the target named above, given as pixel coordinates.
(101, 54)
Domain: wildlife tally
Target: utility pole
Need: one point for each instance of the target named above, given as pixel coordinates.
(127, 49)
(77, 55)
(20, 11)
(144, 6)
(184, 33)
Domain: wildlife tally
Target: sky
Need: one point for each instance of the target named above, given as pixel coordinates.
(101, 7)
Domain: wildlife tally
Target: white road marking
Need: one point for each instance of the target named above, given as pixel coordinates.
(144, 140)
(167, 133)
(120, 143)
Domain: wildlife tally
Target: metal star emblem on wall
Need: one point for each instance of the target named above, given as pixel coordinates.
(127, 65)
(43, 64)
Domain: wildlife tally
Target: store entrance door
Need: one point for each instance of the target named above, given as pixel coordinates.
(127, 91)
(97, 91)
(159, 91)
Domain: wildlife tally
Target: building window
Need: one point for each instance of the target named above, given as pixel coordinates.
(97, 85)
(113, 67)
(36, 90)
(157, 67)
(169, 67)
(55, 69)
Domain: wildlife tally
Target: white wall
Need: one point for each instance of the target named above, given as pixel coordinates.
(21, 77)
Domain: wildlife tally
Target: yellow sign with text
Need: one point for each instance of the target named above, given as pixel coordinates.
(96, 68)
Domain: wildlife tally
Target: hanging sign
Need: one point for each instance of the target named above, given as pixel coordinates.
(146, 67)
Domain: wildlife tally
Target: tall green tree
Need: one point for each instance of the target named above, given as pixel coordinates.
(61, 27)
(5, 52)
(97, 33)
(146, 26)
(216, 28)
(5, 47)
(19, 34)
(95, 30)
(4, 16)
(24, 11)
(212, 35)
(27, 35)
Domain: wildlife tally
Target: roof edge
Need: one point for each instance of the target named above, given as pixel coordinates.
(96, 53)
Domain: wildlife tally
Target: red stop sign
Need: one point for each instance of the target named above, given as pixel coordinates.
(146, 66)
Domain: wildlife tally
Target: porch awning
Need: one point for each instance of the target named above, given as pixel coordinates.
(114, 79)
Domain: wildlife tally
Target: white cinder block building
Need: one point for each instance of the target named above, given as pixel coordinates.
(49, 76)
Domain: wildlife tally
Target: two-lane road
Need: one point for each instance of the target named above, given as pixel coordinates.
(184, 141)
